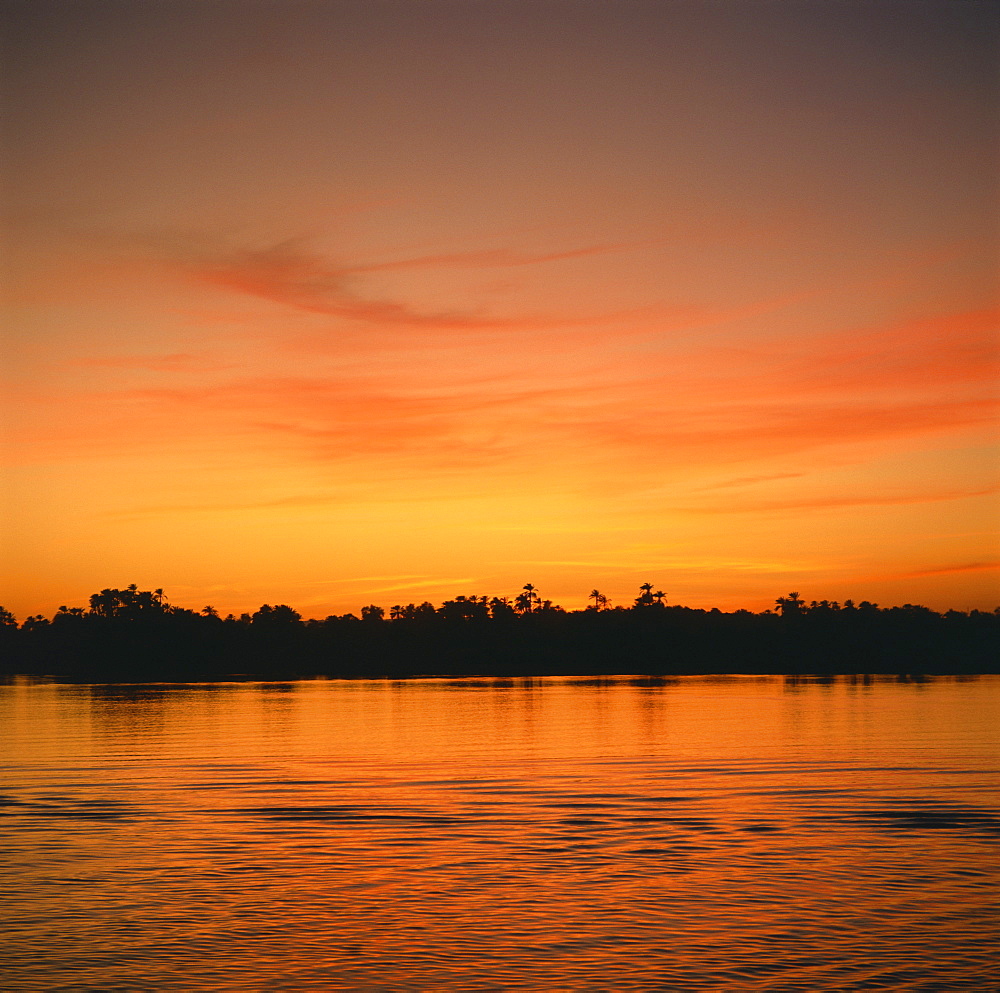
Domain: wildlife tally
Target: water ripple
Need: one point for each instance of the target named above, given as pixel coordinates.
(611, 837)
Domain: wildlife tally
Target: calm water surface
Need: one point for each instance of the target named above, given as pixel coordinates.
(556, 835)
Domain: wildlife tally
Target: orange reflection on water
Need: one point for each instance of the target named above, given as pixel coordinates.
(738, 833)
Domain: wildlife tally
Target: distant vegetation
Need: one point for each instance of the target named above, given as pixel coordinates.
(134, 635)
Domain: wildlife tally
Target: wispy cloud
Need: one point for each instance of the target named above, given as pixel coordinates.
(945, 570)
(290, 275)
(222, 506)
(644, 424)
(428, 584)
(840, 502)
(753, 480)
(712, 431)
(918, 354)
(175, 362)
(490, 258)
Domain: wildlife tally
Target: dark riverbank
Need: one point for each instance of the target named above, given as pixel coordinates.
(133, 636)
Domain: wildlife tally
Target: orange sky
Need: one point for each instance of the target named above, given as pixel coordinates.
(332, 303)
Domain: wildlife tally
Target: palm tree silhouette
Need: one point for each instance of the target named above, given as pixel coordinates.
(791, 604)
(525, 601)
(645, 598)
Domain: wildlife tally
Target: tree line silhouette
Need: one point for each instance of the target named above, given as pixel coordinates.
(134, 635)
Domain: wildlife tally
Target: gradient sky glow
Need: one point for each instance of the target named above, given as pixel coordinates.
(331, 303)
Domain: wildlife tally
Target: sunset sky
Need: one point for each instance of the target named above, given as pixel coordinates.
(332, 303)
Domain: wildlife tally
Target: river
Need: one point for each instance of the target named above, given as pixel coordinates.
(737, 833)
